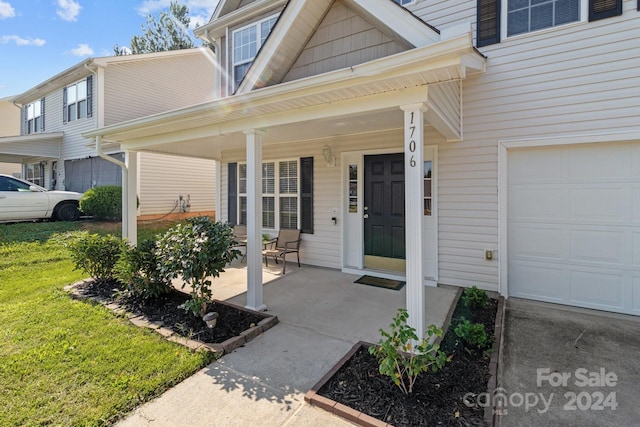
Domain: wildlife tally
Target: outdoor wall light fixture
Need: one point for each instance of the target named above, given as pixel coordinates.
(210, 319)
(328, 156)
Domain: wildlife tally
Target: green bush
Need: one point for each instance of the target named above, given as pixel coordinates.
(104, 202)
(475, 298)
(399, 359)
(472, 333)
(137, 269)
(96, 255)
(195, 251)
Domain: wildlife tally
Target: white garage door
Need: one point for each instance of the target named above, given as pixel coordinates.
(574, 225)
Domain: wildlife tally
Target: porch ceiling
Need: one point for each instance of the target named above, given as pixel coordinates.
(17, 149)
(353, 100)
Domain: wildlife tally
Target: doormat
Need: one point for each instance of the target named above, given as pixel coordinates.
(379, 282)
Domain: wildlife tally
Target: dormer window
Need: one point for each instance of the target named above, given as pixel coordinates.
(403, 2)
(34, 117)
(76, 99)
(246, 43)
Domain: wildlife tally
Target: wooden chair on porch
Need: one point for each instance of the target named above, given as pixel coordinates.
(288, 242)
(240, 236)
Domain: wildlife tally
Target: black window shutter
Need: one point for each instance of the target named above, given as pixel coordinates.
(488, 25)
(42, 115)
(89, 96)
(600, 9)
(25, 120)
(64, 105)
(306, 195)
(232, 194)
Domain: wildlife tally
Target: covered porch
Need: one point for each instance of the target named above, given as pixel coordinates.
(411, 99)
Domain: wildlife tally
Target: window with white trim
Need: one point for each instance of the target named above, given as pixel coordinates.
(34, 172)
(403, 2)
(525, 16)
(34, 116)
(76, 100)
(516, 17)
(246, 43)
(280, 203)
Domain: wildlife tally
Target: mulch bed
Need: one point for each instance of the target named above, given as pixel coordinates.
(231, 322)
(437, 398)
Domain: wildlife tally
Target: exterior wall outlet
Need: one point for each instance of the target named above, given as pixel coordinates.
(488, 254)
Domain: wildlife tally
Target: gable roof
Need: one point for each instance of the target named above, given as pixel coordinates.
(299, 20)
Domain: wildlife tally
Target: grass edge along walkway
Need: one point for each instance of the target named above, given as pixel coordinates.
(66, 362)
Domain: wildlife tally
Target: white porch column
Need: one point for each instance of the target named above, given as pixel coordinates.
(254, 220)
(414, 200)
(129, 198)
(218, 197)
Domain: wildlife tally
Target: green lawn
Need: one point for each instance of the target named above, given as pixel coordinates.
(69, 363)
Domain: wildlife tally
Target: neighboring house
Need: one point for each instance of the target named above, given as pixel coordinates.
(9, 125)
(48, 142)
(488, 143)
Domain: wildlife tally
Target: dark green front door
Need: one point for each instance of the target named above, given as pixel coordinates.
(384, 235)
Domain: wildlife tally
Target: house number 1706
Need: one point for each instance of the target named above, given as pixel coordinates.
(412, 142)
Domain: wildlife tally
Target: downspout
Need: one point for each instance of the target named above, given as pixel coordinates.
(125, 184)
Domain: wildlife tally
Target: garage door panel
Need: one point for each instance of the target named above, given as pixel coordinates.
(599, 204)
(635, 294)
(536, 203)
(600, 246)
(531, 241)
(535, 166)
(596, 289)
(635, 216)
(636, 249)
(537, 282)
(604, 162)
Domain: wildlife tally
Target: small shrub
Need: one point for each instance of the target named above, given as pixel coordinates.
(104, 202)
(137, 269)
(475, 298)
(472, 333)
(196, 250)
(400, 360)
(96, 255)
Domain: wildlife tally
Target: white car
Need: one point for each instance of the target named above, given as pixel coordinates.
(22, 200)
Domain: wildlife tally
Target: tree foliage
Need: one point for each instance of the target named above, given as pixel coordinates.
(166, 31)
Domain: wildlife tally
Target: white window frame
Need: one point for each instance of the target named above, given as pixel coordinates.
(259, 41)
(33, 124)
(504, 16)
(404, 2)
(34, 172)
(276, 195)
(77, 101)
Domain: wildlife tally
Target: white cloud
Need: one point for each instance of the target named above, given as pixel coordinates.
(68, 10)
(83, 49)
(22, 41)
(6, 11)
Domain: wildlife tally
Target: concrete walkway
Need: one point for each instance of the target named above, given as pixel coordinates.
(322, 314)
(569, 367)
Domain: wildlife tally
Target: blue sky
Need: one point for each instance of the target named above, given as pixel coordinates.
(40, 38)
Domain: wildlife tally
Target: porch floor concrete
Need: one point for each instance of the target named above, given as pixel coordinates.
(322, 314)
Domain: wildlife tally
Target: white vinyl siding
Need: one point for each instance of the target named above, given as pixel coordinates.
(163, 178)
(141, 88)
